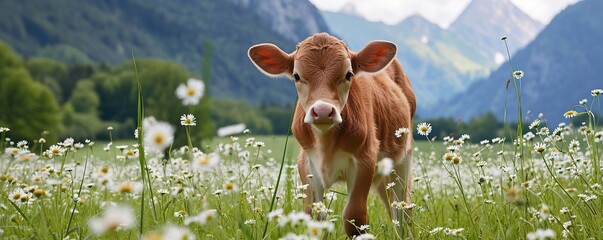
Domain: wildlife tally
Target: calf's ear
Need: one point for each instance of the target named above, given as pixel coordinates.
(374, 56)
(270, 59)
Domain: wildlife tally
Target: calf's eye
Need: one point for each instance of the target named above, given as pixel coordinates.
(348, 76)
(296, 77)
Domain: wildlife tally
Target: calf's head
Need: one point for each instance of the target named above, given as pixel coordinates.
(323, 69)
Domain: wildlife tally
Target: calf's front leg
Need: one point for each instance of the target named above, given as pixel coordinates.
(359, 185)
(315, 191)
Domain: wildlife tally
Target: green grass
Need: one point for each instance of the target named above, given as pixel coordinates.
(239, 188)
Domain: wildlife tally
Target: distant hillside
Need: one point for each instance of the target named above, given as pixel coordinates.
(483, 22)
(109, 30)
(561, 66)
(293, 19)
(438, 63)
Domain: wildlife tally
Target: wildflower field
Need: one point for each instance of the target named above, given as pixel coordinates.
(547, 184)
(543, 183)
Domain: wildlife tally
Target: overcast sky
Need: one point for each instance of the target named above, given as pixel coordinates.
(441, 12)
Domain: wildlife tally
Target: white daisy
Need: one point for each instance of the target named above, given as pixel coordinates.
(188, 120)
(315, 228)
(174, 232)
(541, 234)
(114, 218)
(401, 131)
(56, 150)
(570, 114)
(158, 135)
(385, 166)
(205, 162)
(539, 147)
(424, 128)
(192, 92)
(202, 218)
(365, 236)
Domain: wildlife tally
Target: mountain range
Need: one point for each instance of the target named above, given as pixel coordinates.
(561, 66)
(184, 31)
(442, 62)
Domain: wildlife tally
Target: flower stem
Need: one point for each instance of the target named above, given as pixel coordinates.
(280, 171)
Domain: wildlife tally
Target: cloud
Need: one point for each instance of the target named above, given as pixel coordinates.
(543, 10)
(441, 12)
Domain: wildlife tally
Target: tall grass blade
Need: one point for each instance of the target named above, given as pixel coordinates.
(280, 171)
(141, 155)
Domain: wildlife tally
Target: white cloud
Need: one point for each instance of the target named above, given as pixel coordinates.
(441, 12)
(543, 10)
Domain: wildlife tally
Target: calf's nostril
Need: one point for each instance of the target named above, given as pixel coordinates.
(332, 113)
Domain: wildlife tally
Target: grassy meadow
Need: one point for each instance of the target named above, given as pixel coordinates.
(486, 190)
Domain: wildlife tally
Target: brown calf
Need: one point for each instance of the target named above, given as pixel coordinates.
(350, 104)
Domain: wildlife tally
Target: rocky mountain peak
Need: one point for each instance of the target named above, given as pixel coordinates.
(483, 22)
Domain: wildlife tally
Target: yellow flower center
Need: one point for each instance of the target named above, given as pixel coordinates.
(512, 193)
(153, 236)
(39, 192)
(56, 151)
(16, 196)
(130, 152)
(229, 186)
(456, 159)
(204, 161)
(112, 227)
(158, 139)
(126, 188)
(104, 169)
(25, 157)
(190, 91)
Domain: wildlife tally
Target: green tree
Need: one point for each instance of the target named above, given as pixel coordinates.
(279, 117)
(50, 73)
(84, 98)
(26, 107)
(81, 125)
(485, 127)
(159, 78)
(228, 112)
